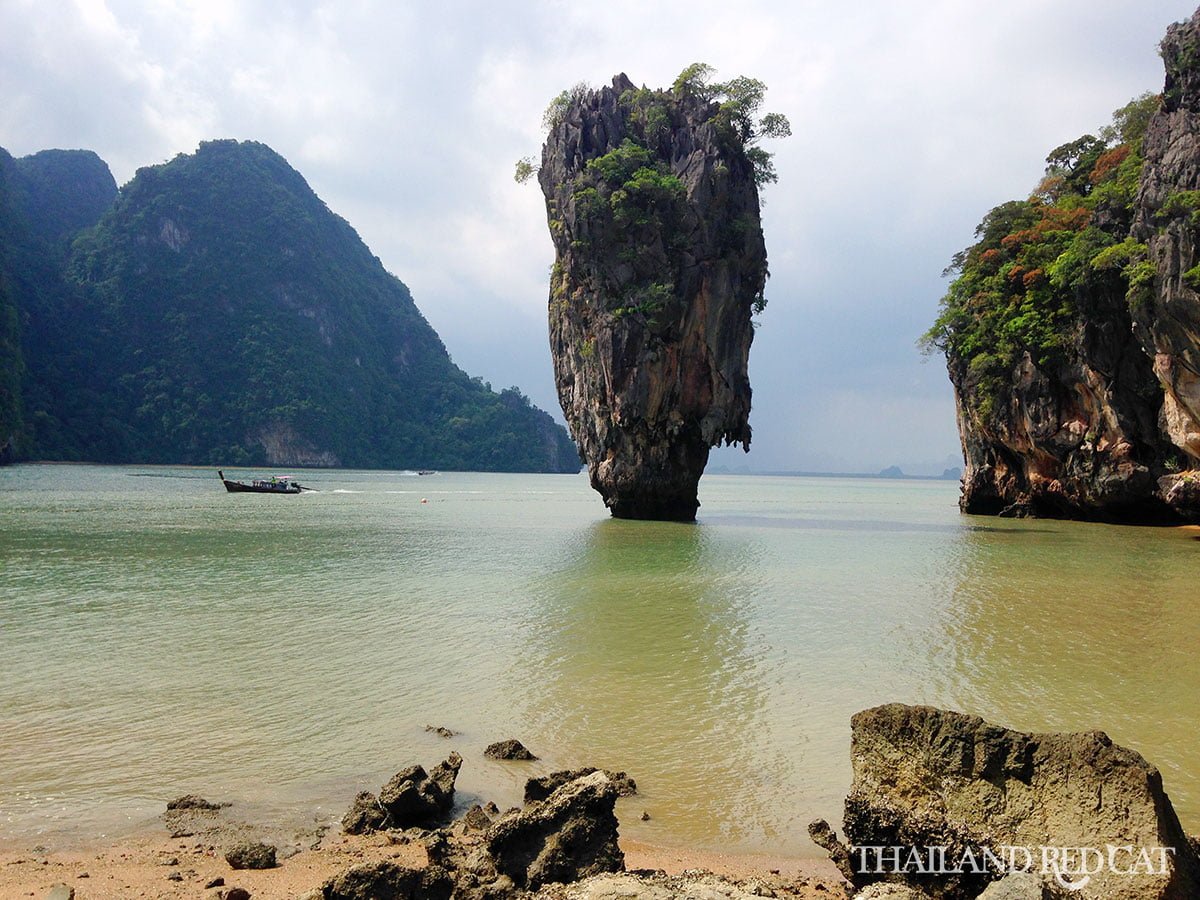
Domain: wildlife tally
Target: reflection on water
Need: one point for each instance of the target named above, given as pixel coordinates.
(1087, 627)
(646, 661)
(159, 636)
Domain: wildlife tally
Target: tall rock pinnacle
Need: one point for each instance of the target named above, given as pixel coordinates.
(659, 264)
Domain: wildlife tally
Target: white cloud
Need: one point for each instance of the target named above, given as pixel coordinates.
(910, 121)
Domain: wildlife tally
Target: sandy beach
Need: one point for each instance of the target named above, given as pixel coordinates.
(165, 867)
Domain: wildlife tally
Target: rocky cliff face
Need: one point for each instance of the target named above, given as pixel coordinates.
(1168, 221)
(1072, 333)
(660, 262)
(1075, 436)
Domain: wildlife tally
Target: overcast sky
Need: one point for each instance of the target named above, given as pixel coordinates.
(910, 121)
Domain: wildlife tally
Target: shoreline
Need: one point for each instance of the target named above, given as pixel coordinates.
(182, 867)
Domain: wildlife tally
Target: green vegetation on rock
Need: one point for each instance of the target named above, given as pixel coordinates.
(1022, 287)
(630, 197)
(12, 364)
(738, 103)
(44, 200)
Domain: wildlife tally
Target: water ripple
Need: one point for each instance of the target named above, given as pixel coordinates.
(158, 636)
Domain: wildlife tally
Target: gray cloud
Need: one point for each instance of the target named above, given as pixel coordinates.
(910, 122)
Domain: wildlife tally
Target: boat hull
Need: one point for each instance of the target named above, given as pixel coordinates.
(237, 487)
(260, 487)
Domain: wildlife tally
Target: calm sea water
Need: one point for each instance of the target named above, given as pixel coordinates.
(159, 636)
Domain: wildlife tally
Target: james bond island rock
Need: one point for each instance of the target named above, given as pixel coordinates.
(653, 208)
(926, 777)
(1072, 329)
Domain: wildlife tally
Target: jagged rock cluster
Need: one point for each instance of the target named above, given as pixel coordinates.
(1098, 416)
(930, 778)
(567, 836)
(561, 845)
(659, 262)
(412, 798)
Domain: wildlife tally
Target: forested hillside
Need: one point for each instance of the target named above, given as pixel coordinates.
(219, 313)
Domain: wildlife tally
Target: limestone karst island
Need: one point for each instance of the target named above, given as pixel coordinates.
(1072, 328)
(296, 605)
(652, 201)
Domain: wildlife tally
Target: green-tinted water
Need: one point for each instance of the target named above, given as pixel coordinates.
(159, 636)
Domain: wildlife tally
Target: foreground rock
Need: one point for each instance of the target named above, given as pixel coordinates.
(412, 798)
(692, 885)
(194, 801)
(568, 836)
(888, 891)
(388, 881)
(659, 266)
(365, 815)
(926, 777)
(510, 749)
(251, 855)
(1016, 886)
(543, 786)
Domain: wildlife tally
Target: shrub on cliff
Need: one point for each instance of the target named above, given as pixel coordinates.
(1021, 288)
